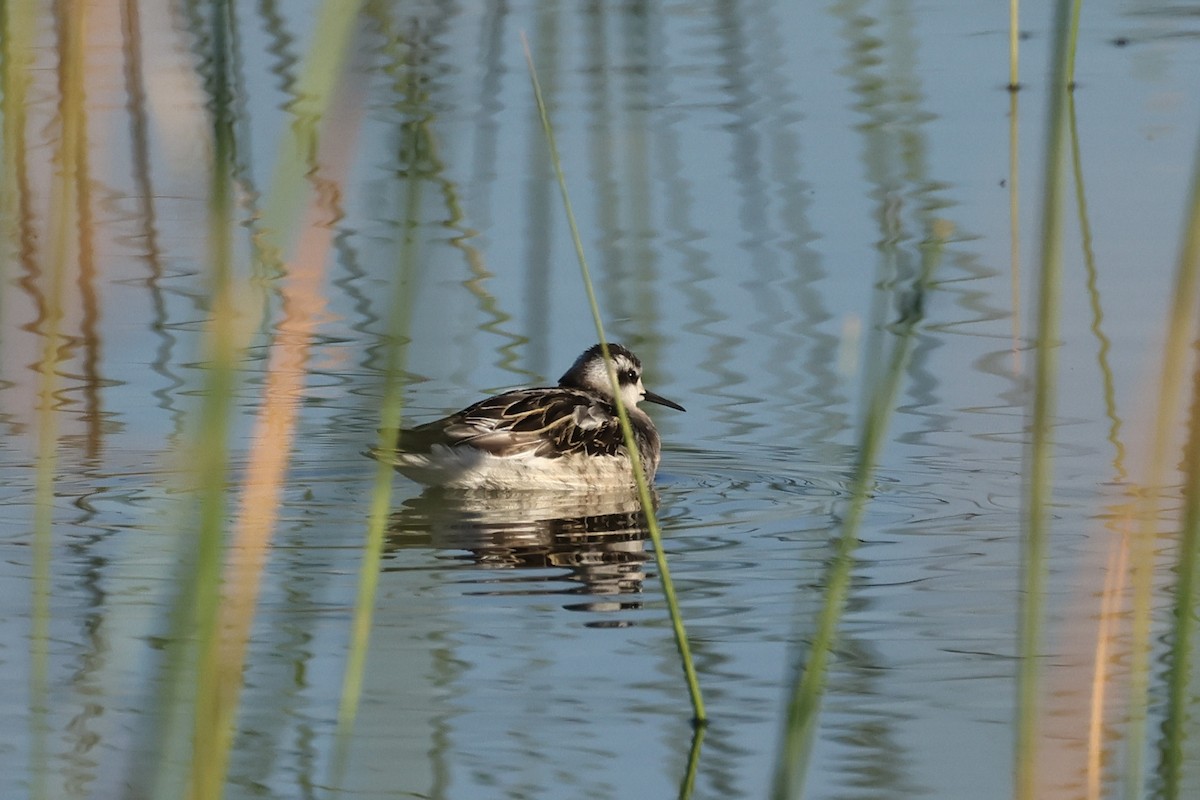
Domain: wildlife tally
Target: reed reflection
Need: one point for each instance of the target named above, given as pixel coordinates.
(598, 539)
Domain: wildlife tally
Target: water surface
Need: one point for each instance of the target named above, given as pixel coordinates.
(757, 186)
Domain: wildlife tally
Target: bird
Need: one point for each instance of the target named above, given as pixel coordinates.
(566, 436)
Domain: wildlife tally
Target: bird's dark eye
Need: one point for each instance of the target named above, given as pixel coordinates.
(629, 376)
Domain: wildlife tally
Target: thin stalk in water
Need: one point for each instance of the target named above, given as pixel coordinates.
(381, 491)
(1014, 44)
(276, 418)
(688, 784)
(414, 143)
(211, 447)
(1040, 453)
(1176, 343)
(63, 226)
(804, 702)
(1014, 228)
(1072, 42)
(639, 474)
(1179, 658)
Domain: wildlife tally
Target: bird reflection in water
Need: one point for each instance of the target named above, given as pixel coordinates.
(597, 538)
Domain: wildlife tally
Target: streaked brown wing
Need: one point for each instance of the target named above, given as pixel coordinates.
(546, 423)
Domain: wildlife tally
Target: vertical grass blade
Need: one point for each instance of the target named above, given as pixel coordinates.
(303, 304)
(381, 490)
(1014, 45)
(1039, 456)
(681, 641)
(688, 784)
(179, 738)
(804, 701)
(16, 54)
(1180, 703)
(210, 444)
(415, 144)
(1073, 42)
(224, 611)
(1014, 226)
(64, 233)
(1178, 339)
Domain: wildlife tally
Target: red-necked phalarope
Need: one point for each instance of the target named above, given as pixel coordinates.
(556, 436)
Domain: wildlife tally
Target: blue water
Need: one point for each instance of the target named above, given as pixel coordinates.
(757, 187)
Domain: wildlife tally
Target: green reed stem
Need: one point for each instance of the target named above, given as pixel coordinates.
(1014, 226)
(414, 144)
(16, 54)
(219, 681)
(212, 727)
(1072, 42)
(1040, 453)
(1177, 341)
(1014, 44)
(1178, 664)
(639, 474)
(381, 490)
(64, 221)
(688, 785)
(183, 731)
(804, 702)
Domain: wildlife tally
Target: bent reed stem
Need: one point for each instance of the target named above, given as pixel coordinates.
(643, 486)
